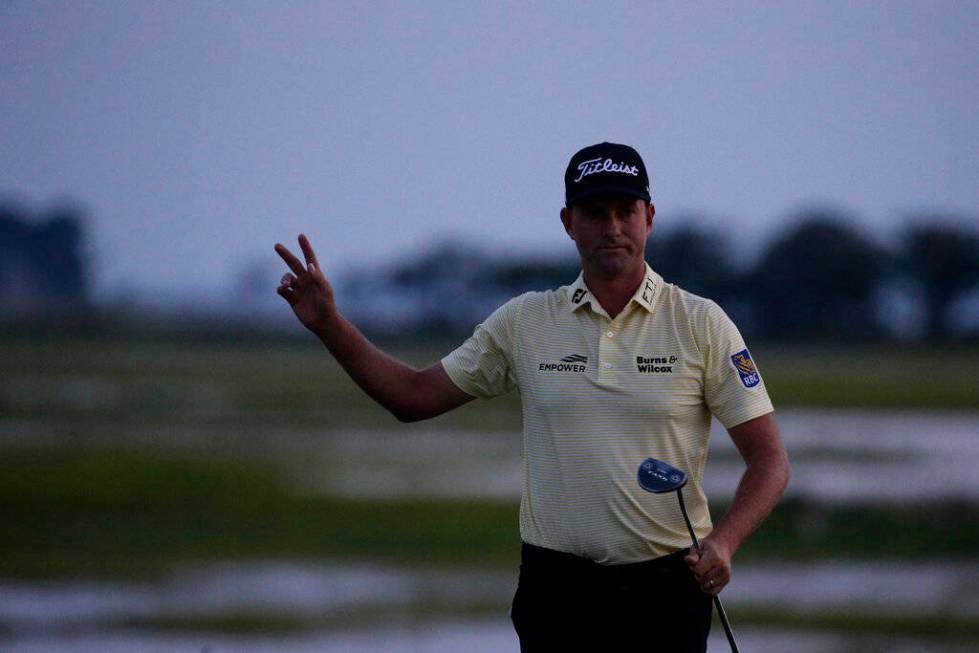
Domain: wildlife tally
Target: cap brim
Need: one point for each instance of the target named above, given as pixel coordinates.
(608, 190)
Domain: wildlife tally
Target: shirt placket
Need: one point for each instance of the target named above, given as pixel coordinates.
(610, 360)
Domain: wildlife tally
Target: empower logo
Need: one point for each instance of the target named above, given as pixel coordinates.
(576, 363)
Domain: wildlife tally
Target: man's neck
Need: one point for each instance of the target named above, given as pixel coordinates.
(614, 292)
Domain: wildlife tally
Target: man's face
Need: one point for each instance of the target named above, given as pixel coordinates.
(610, 232)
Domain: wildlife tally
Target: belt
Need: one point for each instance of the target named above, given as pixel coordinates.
(535, 558)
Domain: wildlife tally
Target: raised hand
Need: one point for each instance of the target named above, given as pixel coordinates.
(306, 289)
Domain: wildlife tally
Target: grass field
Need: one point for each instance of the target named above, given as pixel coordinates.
(296, 383)
(96, 511)
(149, 497)
(123, 458)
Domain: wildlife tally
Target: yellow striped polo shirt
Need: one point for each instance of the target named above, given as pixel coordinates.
(599, 396)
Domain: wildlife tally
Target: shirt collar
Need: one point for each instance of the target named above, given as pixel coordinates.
(645, 296)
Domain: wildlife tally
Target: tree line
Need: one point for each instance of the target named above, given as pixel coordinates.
(43, 268)
(821, 279)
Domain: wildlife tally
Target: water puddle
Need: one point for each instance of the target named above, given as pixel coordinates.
(837, 456)
(410, 609)
(301, 590)
(451, 636)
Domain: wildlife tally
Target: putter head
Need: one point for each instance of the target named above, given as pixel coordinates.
(659, 477)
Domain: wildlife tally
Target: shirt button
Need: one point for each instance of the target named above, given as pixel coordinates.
(607, 366)
(610, 334)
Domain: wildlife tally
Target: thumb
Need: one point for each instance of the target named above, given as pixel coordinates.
(691, 558)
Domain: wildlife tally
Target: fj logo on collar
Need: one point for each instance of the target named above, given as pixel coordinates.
(576, 363)
(578, 295)
(746, 368)
(647, 291)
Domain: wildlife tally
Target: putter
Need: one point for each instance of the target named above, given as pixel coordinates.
(659, 478)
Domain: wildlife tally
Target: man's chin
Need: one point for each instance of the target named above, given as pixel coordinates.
(613, 263)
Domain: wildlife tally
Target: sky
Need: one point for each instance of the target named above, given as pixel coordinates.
(195, 135)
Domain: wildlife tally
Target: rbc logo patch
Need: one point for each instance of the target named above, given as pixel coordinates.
(746, 368)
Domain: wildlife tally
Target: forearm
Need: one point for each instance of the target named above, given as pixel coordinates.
(761, 485)
(408, 393)
(758, 492)
(389, 382)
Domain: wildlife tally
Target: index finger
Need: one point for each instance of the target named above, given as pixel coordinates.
(293, 262)
(308, 251)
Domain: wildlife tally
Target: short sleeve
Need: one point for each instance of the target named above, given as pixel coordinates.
(733, 387)
(483, 365)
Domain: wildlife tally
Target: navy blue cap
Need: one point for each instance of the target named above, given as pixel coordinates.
(605, 168)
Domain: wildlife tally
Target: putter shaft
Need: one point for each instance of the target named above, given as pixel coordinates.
(717, 600)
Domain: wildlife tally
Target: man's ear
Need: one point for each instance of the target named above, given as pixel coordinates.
(650, 212)
(566, 221)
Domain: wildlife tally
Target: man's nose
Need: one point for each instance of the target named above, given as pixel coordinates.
(613, 224)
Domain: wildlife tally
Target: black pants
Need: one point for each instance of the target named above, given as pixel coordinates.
(566, 603)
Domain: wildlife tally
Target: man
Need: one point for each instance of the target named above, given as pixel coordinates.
(615, 368)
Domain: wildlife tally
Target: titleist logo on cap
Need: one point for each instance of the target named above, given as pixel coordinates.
(609, 168)
(594, 166)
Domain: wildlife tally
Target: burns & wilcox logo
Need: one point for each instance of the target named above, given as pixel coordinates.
(575, 363)
(655, 364)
